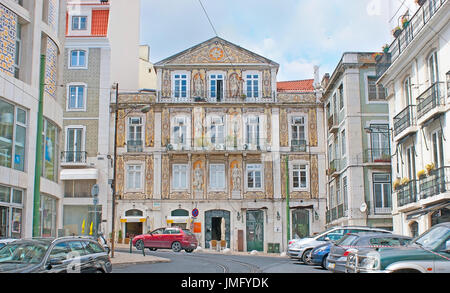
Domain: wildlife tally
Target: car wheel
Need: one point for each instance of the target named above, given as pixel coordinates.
(189, 250)
(140, 245)
(306, 256)
(324, 262)
(176, 246)
(152, 249)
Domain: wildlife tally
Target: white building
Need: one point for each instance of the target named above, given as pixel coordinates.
(418, 84)
(29, 29)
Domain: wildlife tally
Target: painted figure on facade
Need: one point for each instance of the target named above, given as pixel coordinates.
(236, 176)
(234, 85)
(198, 179)
(198, 85)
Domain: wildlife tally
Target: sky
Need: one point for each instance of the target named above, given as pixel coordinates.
(297, 34)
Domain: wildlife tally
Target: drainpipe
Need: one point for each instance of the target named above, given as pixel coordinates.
(38, 163)
(287, 200)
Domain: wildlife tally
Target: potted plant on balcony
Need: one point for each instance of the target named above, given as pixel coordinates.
(243, 96)
(421, 174)
(385, 49)
(404, 181)
(397, 31)
(378, 56)
(396, 184)
(420, 2)
(429, 168)
(405, 21)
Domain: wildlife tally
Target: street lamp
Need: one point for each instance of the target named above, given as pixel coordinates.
(145, 109)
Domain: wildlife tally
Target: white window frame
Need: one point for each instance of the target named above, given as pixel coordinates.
(343, 143)
(223, 84)
(253, 142)
(220, 122)
(73, 17)
(259, 92)
(293, 169)
(83, 136)
(175, 121)
(18, 50)
(432, 59)
(377, 88)
(210, 177)
(254, 167)
(384, 209)
(186, 171)
(305, 127)
(438, 151)
(141, 178)
(407, 91)
(85, 90)
(188, 85)
(130, 124)
(85, 66)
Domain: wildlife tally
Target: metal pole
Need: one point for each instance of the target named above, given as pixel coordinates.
(287, 200)
(115, 169)
(38, 163)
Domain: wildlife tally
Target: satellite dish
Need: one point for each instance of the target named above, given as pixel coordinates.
(363, 207)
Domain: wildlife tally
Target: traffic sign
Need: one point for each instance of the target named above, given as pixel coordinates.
(195, 213)
(94, 190)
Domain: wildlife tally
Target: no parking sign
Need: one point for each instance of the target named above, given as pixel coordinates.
(195, 213)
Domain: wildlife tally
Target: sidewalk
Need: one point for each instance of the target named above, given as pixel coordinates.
(200, 250)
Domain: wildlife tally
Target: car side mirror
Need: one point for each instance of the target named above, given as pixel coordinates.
(447, 246)
(327, 239)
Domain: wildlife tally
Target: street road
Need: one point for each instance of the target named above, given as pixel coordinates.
(196, 262)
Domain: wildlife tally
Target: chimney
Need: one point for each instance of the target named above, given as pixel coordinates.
(316, 77)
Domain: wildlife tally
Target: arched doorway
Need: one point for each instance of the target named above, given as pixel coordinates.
(217, 226)
(134, 224)
(414, 229)
(179, 213)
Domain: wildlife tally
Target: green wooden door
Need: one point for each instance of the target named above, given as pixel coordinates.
(300, 223)
(255, 230)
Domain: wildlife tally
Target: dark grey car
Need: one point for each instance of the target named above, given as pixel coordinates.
(337, 257)
(50, 255)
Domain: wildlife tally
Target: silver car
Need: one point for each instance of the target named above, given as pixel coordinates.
(301, 248)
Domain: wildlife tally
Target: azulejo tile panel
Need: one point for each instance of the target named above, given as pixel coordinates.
(8, 30)
(51, 69)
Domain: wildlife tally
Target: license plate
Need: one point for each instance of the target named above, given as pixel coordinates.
(331, 265)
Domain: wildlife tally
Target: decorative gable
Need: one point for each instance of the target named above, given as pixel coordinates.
(216, 51)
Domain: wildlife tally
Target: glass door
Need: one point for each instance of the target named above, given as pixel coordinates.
(74, 145)
(4, 222)
(255, 230)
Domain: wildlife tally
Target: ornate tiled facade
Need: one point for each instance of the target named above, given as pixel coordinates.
(51, 68)
(8, 28)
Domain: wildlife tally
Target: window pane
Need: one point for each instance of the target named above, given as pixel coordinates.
(19, 150)
(6, 133)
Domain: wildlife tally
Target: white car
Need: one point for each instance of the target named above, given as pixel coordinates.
(301, 248)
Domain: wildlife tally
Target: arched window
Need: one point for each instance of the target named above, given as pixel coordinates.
(133, 213)
(179, 213)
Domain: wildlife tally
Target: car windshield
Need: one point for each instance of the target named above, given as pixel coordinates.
(188, 232)
(23, 253)
(433, 238)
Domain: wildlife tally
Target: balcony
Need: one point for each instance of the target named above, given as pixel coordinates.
(332, 124)
(228, 144)
(334, 168)
(431, 102)
(335, 213)
(134, 146)
(404, 122)
(73, 158)
(437, 182)
(223, 97)
(407, 194)
(377, 156)
(415, 26)
(298, 145)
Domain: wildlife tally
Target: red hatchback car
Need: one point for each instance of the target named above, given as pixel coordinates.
(174, 238)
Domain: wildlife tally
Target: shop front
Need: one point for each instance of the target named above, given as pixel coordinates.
(11, 209)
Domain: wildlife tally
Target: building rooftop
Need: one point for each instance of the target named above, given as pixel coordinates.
(296, 86)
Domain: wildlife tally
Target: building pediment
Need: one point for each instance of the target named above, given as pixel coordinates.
(216, 51)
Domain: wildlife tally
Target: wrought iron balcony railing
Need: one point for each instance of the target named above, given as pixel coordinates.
(298, 145)
(416, 23)
(407, 193)
(76, 157)
(404, 119)
(218, 97)
(437, 182)
(431, 98)
(135, 146)
(382, 155)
